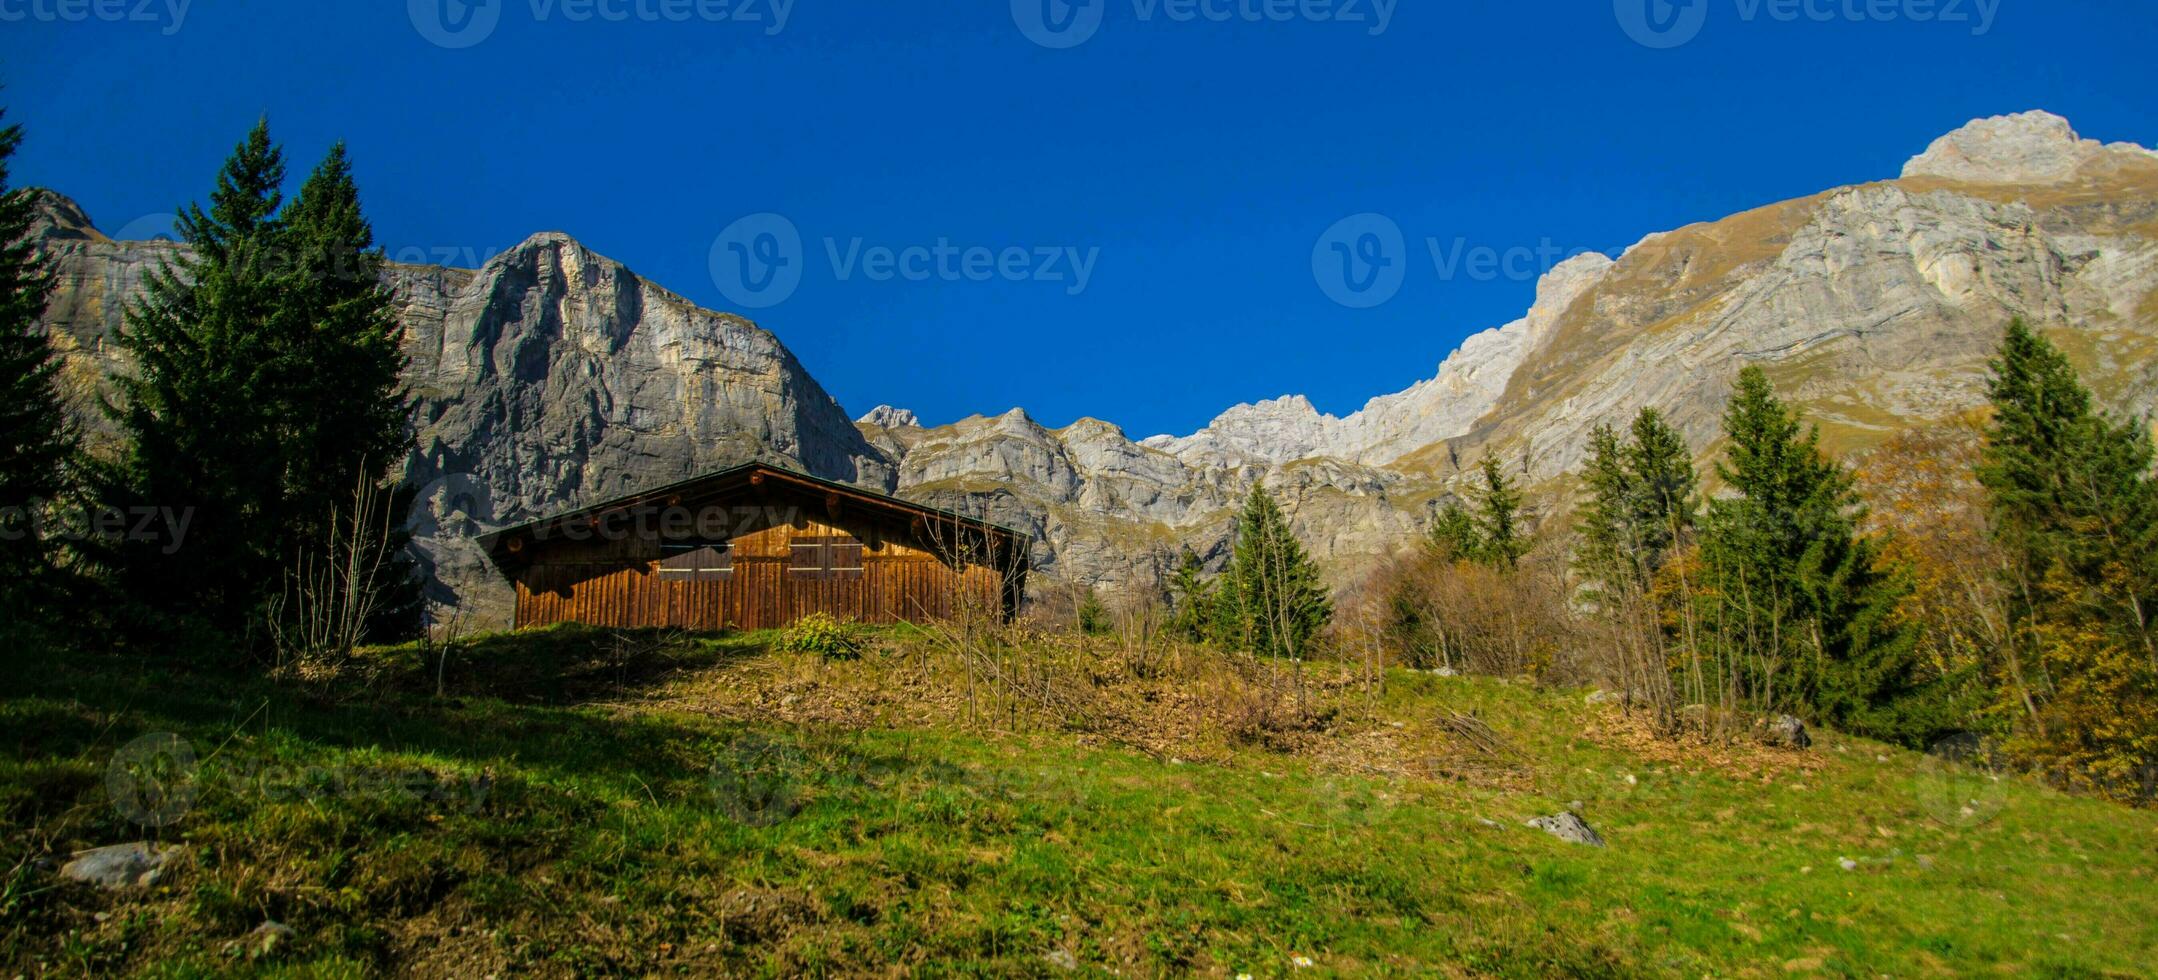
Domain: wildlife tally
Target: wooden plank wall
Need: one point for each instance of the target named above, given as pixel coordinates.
(897, 583)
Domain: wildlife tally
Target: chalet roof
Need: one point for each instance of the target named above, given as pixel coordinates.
(741, 477)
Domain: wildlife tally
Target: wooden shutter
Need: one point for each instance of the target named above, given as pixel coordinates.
(696, 561)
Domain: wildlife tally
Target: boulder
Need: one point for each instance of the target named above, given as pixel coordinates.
(1568, 827)
(1785, 732)
(269, 938)
(119, 866)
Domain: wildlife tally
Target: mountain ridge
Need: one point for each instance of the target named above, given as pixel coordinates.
(553, 375)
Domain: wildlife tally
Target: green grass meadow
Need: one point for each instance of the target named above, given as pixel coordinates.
(591, 817)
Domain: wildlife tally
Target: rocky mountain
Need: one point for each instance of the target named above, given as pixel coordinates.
(554, 376)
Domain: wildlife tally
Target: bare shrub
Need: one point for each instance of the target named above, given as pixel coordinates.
(335, 587)
(1432, 611)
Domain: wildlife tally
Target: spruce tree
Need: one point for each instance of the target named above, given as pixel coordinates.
(341, 386)
(1453, 534)
(198, 411)
(2069, 486)
(266, 400)
(1808, 617)
(1191, 599)
(36, 442)
(2072, 502)
(1278, 600)
(1665, 489)
(1605, 554)
(1501, 539)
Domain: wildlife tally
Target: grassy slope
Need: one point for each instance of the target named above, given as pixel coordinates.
(606, 844)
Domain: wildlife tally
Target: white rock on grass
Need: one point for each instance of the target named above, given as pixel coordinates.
(119, 866)
(1568, 827)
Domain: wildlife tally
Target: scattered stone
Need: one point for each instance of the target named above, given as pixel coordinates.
(1787, 732)
(1062, 959)
(1630, 780)
(1847, 864)
(136, 865)
(1445, 672)
(1568, 827)
(269, 938)
(1601, 696)
(1487, 822)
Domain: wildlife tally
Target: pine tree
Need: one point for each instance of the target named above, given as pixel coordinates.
(1809, 616)
(197, 412)
(1278, 601)
(36, 443)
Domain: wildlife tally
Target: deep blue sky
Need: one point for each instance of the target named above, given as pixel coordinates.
(1203, 160)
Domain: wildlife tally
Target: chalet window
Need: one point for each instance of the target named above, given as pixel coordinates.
(696, 561)
(832, 557)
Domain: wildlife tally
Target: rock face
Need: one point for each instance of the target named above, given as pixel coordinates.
(2025, 148)
(554, 376)
(887, 417)
(1389, 427)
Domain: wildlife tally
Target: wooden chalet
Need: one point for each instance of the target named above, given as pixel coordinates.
(757, 546)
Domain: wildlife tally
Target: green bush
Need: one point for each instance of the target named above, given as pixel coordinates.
(825, 635)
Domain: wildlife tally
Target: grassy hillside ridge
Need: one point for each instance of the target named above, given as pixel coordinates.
(588, 801)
